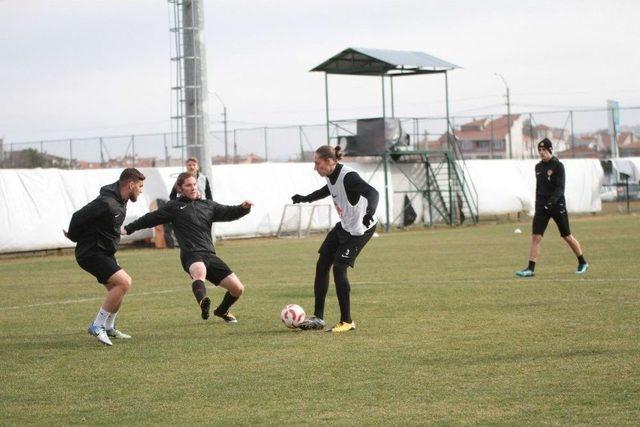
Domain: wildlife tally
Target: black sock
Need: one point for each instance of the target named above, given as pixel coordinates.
(227, 302)
(342, 290)
(532, 265)
(581, 260)
(199, 290)
(321, 284)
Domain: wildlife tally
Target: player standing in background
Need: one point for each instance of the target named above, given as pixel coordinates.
(96, 229)
(550, 203)
(202, 182)
(192, 217)
(356, 203)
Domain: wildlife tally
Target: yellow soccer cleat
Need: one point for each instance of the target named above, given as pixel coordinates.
(227, 317)
(343, 327)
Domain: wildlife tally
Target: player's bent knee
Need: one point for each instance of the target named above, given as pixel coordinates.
(536, 238)
(125, 283)
(239, 289)
(198, 271)
(121, 280)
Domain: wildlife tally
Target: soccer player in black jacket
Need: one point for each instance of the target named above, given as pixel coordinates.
(356, 203)
(191, 218)
(96, 229)
(550, 204)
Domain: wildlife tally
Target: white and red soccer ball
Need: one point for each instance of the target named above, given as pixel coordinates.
(292, 315)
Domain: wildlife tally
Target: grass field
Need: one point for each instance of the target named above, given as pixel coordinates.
(446, 334)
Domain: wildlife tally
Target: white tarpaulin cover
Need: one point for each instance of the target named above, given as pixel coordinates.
(629, 166)
(506, 186)
(37, 204)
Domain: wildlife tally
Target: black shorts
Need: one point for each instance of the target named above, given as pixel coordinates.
(99, 264)
(559, 215)
(342, 246)
(217, 269)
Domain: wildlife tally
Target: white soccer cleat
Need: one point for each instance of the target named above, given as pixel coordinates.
(114, 333)
(312, 323)
(100, 334)
(582, 268)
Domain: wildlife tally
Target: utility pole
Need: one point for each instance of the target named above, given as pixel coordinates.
(508, 113)
(226, 141)
(224, 121)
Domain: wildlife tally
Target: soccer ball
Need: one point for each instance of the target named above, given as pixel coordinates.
(292, 315)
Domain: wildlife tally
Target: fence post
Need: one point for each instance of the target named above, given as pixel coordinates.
(100, 143)
(531, 144)
(133, 151)
(166, 150)
(626, 183)
(573, 141)
(235, 147)
(493, 138)
(266, 149)
(385, 160)
(301, 146)
(70, 154)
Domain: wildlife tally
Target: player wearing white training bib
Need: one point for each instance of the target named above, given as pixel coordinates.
(350, 215)
(356, 202)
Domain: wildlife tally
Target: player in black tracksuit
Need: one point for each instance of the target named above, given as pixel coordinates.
(550, 204)
(191, 218)
(96, 229)
(356, 203)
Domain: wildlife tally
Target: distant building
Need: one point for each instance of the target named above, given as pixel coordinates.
(249, 158)
(488, 139)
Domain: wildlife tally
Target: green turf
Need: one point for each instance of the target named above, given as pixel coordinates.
(446, 334)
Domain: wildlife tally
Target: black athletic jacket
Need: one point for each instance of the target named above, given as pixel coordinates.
(355, 187)
(191, 221)
(97, 225)
(549, 183)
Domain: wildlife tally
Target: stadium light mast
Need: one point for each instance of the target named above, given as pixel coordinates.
(189, 90)
(508, 112)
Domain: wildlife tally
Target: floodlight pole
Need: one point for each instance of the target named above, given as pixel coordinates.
(508, 113)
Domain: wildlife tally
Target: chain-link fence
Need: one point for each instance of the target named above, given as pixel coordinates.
(575, 133)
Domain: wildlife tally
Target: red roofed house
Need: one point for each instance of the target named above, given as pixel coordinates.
(489, 139)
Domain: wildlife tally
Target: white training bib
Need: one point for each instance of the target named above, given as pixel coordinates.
(350, 216)
(201, 183)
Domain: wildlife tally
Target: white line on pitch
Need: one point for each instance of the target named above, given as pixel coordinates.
(403, 282)
(75, 301)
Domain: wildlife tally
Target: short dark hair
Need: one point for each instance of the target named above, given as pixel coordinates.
(328, 152)
(131, 174)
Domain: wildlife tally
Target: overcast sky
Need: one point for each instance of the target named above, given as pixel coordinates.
(80, 68)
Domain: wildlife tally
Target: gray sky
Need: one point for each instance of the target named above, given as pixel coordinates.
(83, 68)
